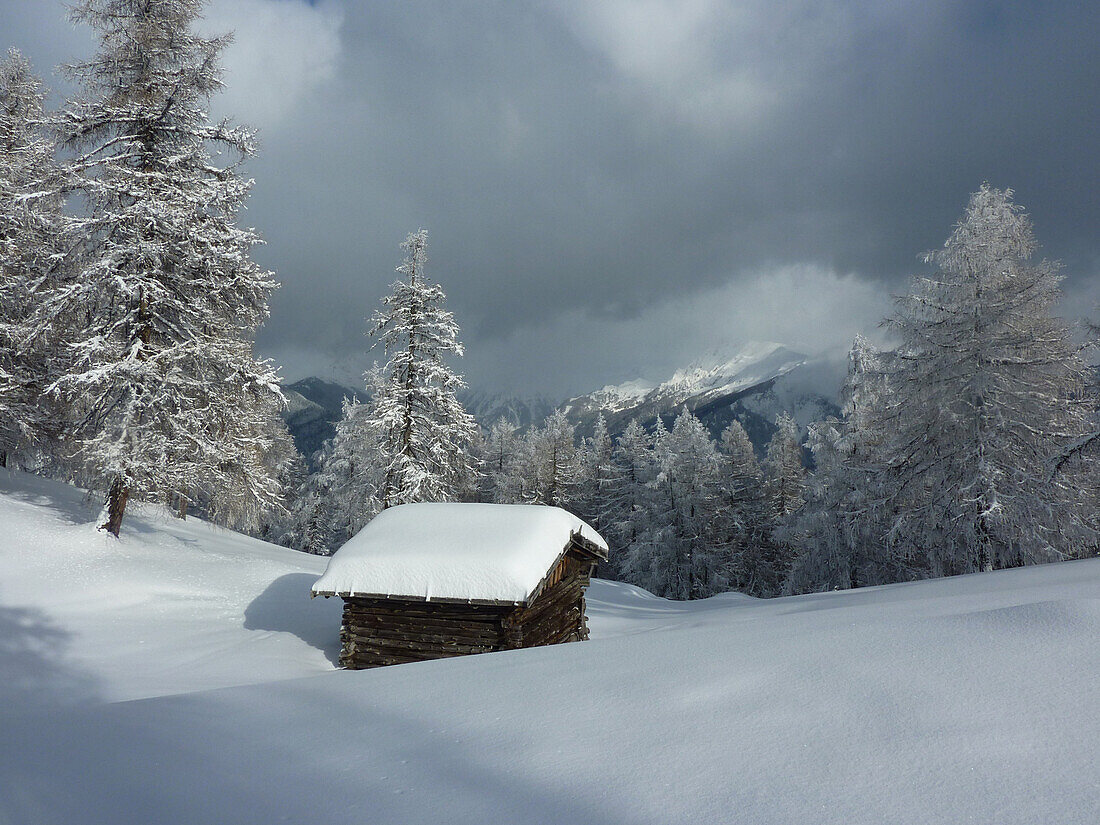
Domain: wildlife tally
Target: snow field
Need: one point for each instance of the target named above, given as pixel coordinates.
(970, 699)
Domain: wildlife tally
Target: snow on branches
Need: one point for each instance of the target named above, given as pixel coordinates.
(158, 313)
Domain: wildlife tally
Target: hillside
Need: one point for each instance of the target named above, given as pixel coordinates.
(182, 675)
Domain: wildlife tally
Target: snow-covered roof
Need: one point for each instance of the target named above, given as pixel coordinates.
(467, 552)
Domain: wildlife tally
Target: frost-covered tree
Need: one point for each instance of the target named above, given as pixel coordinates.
(598, 477)
(839, 534)
(745, 518)
(245, 482)
(550, 467)
(420, 428)
(679, 557)
(784, 473)
(985, 390)
(336, 502)
(30, 214)
(309, 522)
(630, 497)
(502, 446)
(167, 397)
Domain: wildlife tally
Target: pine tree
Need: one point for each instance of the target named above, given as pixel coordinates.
(986, 390)
(31, 200)
(167, 397)
(421, 429)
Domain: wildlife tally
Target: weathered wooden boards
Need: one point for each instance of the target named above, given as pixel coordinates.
(391, 631)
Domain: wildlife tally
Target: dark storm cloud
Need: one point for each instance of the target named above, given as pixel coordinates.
(610, 185)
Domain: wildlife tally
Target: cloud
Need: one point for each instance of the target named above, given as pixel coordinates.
(596, 174)
(805, 306)
(282, 51)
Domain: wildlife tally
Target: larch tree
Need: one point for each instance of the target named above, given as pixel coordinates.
(502, 445)
(551, 469)
(839, 535)
(679, 557)
(630, 496)
(343, 495)
(784, 473)
(31, 202)
(167, 398)
(599, 477)
(986, 390)
(420, 428)
(745, 515)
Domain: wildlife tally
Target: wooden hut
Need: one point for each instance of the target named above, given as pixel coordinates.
(425, 581)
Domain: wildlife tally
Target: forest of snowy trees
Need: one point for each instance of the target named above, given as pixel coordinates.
(130, 303)
(964, 448)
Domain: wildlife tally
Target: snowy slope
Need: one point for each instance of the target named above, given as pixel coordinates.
(970, 699)
(176, 607)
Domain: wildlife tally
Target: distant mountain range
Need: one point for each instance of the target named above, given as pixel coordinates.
(753, 385)
(313, 408)
(314, 405)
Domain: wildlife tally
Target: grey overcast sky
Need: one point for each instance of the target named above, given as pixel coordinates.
(614, 187)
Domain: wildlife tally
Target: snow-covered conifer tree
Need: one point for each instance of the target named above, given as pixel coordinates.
(167, 398)
(502, 446)
(631, 494)
(30, 215)
(355, 468)
(421, 430)
(839, 534)
(745, 516)
(550, 467)
(679, 558)
(785, 475)
(599, 477)
(986, 389)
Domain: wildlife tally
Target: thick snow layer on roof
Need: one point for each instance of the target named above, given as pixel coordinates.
(483, 552)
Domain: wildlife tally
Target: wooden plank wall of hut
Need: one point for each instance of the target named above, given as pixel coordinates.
(388, 632)
(558, 614)
(379, 632)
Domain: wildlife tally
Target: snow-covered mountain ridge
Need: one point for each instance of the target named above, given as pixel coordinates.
(709, 377)
(752, 384)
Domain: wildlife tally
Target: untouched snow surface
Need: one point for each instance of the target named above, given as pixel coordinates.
(490, 552)
(183, 675)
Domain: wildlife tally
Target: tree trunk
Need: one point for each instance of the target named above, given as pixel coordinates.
(116, 507)
(181, 512)
(3, 458)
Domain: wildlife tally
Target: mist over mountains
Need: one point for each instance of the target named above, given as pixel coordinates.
(752, 384)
